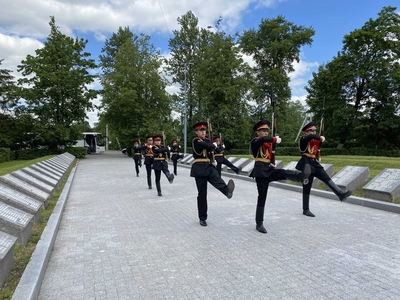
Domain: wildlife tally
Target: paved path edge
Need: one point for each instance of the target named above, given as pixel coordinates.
(29, 286)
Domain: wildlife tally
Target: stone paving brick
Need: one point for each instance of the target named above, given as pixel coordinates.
(119, 240)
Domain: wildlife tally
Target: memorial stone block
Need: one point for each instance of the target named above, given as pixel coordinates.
(385, 186)
(41, 176)
(186, 158)
(58, 166)
(15, 222)
(58, 173)
(351, 177)
(190, 160)
(34, 181)
(21, 201)
(248, 168)
(24, 187)
(45, 172)
(6, 255)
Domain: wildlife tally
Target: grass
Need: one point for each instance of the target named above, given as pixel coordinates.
(22, 254)
(376, 164)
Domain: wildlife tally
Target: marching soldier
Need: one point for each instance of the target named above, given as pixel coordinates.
(220, 157)
(175, 150)
(148, 157)
(204, 171)
(160, 163)
(309, 148)
(264, 172)
(137, 156)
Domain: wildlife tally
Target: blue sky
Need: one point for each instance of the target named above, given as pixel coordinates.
(24, 25)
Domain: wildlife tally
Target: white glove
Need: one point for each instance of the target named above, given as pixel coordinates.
(322, 138)
(215, 144)
(278, 139)
(150, 146)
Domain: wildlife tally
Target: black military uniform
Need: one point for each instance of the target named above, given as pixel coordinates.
(175, 150)
(264, 172)
(148, 157)
(204, 171)
(137, 156)
(220, 157)
(160, 163)
(309, 148)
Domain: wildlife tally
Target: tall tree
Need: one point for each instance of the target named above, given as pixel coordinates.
(134, 98)
(274, 47)
(55, 87)
(362, 84)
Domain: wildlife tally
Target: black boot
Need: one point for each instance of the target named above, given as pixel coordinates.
(338, 191)
(306, 209)
(158, 185)
(296, 175)
(170, 177)
(260, 219)
(149, 182)
(229, 189)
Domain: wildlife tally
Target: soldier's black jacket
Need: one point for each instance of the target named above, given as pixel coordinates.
(261, 149)
(148, 153)
(160, 156)
(309, 147)
(202, 153)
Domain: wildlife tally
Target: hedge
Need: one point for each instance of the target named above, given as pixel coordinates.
(5, 154)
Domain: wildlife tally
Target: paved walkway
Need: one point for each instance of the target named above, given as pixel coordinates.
(119, 240)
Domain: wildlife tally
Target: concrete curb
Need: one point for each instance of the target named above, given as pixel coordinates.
(31, 280)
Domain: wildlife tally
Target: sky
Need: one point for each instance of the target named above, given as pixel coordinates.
(24, 25)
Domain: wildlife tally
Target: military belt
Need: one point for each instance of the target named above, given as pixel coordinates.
(262, 159)
(202, 160)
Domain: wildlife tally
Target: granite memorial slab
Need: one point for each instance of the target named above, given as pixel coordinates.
(6, 255)
(16, 223)
(385, 186)
(26, 188)
(41, 176)
(44, 171)
(248, 167)
(351, 177)
(34, 181)
(186, 158)
(21, 201)
(58, 173)
(54, 164)
(190, 160)
(231, 159)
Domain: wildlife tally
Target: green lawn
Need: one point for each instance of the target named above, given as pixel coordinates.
(11, 166)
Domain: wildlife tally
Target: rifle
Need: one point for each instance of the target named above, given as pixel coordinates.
(273, 125)
(321, 130)
(140, 144)
(210, 135)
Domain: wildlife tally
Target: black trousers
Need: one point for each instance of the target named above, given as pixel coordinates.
(201, 183)
(227, 163)
(263, 184)
(174, 159)
(137, 162)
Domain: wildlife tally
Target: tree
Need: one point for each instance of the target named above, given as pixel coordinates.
(55, 87)
(134, 96)
(362, 84)
(274, 47)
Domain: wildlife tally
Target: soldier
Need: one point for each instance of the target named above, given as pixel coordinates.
(137, 156)
(264, 172)
(148, 157)
(309, 147)
(204, 171)
(220, 157)
(175, 150)
(160, 162)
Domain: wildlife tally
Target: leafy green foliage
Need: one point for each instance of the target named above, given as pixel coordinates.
(361, 85)
(55, 88)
